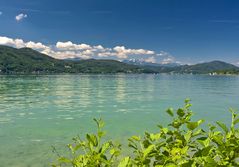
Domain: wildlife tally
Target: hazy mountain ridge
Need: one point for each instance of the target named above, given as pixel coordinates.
(29, 61)
(216, 66)
(142, 62)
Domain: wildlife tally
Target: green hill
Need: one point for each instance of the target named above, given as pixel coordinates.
(26, 60)
(29, 61)
(218, 67)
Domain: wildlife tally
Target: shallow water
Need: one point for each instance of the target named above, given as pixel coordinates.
(37, 112)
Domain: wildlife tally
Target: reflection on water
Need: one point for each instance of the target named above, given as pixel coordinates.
(39, 111)
(120, 89)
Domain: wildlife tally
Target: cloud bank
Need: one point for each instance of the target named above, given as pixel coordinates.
(69, 50)
(21, 16)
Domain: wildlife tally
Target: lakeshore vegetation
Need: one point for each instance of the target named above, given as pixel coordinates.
(182, 143)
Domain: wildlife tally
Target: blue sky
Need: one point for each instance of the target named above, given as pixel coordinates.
(189, 31)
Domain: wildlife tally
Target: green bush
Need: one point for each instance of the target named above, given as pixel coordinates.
(182, 143)
(91, 151)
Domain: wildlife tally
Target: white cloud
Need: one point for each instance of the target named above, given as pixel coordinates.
(70, 46)
(6, 41)
(21, 16)
(99, 51)
(122, 52)
(63, 50)
(163, 54)
(150, 59)
(99, 47)
(168, 60)
(122, 49)
(19, 43)
(106, 54)
(37, 46)
(0, 13)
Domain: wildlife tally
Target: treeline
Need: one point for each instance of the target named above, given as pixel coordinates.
(29, 61)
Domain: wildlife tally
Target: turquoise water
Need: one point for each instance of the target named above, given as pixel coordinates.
(37, 112)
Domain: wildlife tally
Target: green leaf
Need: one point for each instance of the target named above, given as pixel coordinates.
(236, 121)
(137, 138)
(223, 126)
(187, 136)
(210, 161)
(146, 143)
(194, 125)
(171, 165)
(100, 123)
(114, 151)
(154, 136)
(198, 132)
(92, 139)
(64, 160)
(165, 130)
(148, 150)
(204, 141)
(188, 105)
(101, 133)
(174, 151)
(231, 110)
(160, 126)
(184, 150)
(218, 139)
(170, 112)
(180, 112)
(206, 150)
(187, 100)
(211, 127)
(124, 162)
(237, 134)
(133, 146)
(176, 124)
(105, 147)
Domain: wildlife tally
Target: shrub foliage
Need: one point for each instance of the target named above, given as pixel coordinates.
(182, 143)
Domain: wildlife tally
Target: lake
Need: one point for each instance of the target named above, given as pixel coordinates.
(37, 112)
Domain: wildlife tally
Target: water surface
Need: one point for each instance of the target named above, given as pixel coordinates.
(39, 111)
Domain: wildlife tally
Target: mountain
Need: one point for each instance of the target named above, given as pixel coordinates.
(213, 67)
(73, 59)
(141, 62)
(208, 67)
(26, 60)
(171, 65)
(29, 61)
(105, 66)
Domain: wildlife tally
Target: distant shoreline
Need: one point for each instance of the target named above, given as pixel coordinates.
(27, 61)
(52, 74)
